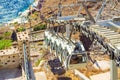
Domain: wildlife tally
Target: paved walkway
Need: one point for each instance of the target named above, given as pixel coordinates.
(40, 76)
(11, 74)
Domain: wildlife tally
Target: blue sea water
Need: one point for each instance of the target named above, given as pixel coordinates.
(10, 9)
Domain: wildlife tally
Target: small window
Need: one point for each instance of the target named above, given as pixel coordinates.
(65, 54)
(75, 59)
(14, 46)
(8, 61)
(1, 51)
(13, 61)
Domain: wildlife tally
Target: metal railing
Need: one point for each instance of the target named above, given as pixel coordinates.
(27, 65)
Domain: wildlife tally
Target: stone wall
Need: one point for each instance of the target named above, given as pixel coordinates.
(9, 58)
(23, 37)
(12, 58)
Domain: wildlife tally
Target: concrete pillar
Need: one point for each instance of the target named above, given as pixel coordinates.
(68, 30)
(113, 70)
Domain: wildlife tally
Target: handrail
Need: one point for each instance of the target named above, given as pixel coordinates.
(26, 62)
(27, 65)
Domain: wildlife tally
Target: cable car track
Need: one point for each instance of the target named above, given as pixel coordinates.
(108, 38)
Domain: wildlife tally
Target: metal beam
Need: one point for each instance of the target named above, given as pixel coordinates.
(101, 10)
(111, 34)
(118, 35)
(117, 44)
(118, 39)
(113, 37)
(113, 70)
(97, 26)
(106, 32)
(90, 16)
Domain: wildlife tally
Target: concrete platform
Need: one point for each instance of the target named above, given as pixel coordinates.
(40, 76)
(102, 76)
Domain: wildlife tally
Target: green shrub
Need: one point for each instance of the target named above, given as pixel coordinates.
(38, 62)
(7, 35)
(15, 23)
(5, 44)
(39, 27)
(20, 29)
(1, 37)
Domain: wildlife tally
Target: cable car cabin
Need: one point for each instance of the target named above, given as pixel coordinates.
(71, 56)
(77, 59)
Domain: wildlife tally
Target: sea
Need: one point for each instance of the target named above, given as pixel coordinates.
(10, 9)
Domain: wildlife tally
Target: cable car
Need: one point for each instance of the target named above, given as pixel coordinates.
(71, 55)
(75, 58)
